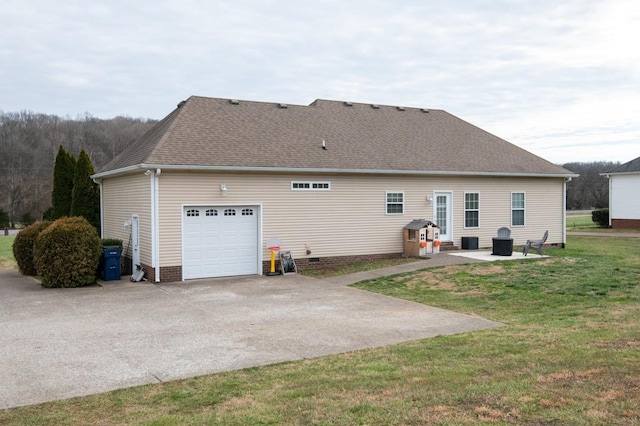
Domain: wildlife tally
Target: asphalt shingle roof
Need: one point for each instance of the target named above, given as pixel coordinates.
(212, 132)
(628, 167)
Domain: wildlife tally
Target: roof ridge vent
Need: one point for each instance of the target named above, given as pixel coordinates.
(234, 101)
(375, 106)
(348, 103)
(283, 106)
(399, 108)
(424, 110)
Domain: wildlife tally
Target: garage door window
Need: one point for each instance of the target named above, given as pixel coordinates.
(193, 213)
(230, 212)
(247, 212)
(211, 212)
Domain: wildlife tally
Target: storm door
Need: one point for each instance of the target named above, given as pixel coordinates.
(442, 214)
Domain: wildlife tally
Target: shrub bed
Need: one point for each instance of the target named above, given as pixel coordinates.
(67, 253)
(23, 247)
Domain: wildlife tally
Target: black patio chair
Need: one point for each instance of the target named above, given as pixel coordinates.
(536, 244)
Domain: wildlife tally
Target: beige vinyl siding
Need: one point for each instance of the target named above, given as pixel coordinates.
(123, 197)
(543, 208)
(351, 218)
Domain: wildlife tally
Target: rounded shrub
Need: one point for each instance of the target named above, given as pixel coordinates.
(601, 217)
(23, 247)
(67, 253)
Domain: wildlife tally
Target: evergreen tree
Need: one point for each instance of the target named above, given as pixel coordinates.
(4, 219)
(86, 194)
(63, 175)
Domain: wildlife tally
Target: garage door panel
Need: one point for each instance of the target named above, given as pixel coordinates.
(220, 241)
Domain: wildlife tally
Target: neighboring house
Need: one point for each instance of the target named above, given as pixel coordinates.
(205, 191)
(624, 195)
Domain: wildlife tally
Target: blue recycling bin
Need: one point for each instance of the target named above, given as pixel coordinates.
(111, 256)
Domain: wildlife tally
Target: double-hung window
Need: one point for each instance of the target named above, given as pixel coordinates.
(395, 202)
(471, 210)
(517, 208)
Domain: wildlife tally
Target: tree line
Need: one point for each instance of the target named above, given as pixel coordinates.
(29, 143)
(590, 190)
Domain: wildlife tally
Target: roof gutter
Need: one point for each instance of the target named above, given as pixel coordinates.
(137, 167)
(609, 174)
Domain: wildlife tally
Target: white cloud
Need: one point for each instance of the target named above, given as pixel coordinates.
(558, 78)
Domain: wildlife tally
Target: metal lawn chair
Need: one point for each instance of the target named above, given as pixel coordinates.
(536, 244)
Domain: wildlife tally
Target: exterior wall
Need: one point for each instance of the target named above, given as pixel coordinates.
(624, 198)
(625, 223)
(350, 218)
(123, 197)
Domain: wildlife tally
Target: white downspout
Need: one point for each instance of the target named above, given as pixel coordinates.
(564, 212)
(610, 198)
(155, 239)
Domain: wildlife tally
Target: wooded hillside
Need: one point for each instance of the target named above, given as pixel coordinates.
(29, 143)
(590, 190)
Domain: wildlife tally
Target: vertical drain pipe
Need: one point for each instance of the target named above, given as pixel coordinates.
(155, 240)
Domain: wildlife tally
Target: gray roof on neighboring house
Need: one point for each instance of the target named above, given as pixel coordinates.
(632, 166)
(211, 133)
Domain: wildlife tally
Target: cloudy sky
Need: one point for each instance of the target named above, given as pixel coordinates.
(558, 78)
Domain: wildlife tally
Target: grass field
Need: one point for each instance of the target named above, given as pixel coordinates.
(6, 253)
(582, 222)
(569, 353)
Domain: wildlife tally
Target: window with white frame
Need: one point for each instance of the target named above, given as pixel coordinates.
(471, 210)
(517, 208)
(310, 186)
(395, 202)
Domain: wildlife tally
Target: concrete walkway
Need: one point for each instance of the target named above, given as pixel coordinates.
(61, 343)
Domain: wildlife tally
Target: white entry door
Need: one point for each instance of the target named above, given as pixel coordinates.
(442, 214)
(220, 241)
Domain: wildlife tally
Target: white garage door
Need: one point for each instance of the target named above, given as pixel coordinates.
(220, 241)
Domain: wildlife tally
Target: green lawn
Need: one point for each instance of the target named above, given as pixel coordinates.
(569, 353)
(581, 222)
(6, 252)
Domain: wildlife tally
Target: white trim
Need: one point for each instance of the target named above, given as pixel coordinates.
(610, 200)
(311, 184)
(386, 203)
(607, 174)
(130, 169)
(256, 205)
(564, 213)
(464, 209)
(155, 223)
(524, 209)
(450, 211)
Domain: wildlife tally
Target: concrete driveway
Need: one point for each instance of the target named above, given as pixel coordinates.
(61, 343)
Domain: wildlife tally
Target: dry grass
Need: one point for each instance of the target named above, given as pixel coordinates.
(568, 354)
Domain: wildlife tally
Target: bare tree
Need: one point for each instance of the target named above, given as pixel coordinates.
(589, 190)
(29, 143)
